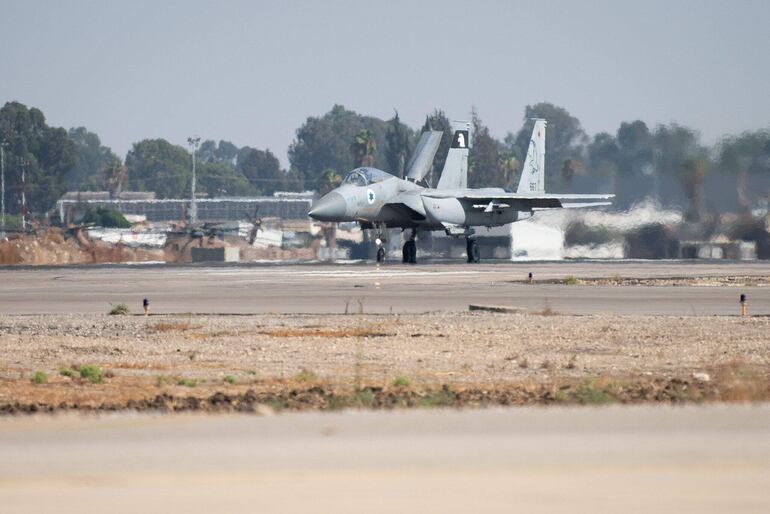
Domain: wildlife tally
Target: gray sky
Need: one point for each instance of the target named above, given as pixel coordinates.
(252, 72)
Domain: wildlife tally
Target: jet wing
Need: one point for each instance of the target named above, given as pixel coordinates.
(496, 199)
(406, 206)
(401, 211)
(422, 158)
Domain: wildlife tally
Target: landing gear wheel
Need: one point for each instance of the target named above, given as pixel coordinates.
(380, 255)
(409, 254)
(472, 250)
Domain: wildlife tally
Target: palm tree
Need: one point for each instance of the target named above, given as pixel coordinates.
(328, 180)
(363, 148)
(115, 178)
(692, 174)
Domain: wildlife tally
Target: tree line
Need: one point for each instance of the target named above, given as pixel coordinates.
(667, 162)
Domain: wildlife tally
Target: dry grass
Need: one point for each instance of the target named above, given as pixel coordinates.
(137, 365)
(169, 326)
(199, 336)
(740, 382)
(370, 331)
(733, 382)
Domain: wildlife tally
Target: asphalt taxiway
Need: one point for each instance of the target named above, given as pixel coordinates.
(618, 459)
(333, 289)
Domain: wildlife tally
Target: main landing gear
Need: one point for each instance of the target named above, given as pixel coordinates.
(409, 253)
(472, 250)
(380, 240)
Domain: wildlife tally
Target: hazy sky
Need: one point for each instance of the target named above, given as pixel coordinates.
(252, 72)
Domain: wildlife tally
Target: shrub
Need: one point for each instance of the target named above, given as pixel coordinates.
(570, 281)
(187, 382)
(68, 372)
(104, 217)
(230, 379)
(91, 373)
(120, 309)
(401, 382)
(305, 376)
(364, 398)
(39, 378)
(589, 393)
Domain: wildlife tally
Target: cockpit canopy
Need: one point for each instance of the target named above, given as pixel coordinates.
(365, 176)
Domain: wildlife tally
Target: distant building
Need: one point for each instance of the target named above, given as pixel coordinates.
(172, 209)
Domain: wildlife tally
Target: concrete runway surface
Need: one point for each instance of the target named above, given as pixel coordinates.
(615, 459)
(319, 288)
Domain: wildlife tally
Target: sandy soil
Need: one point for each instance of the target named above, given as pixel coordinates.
(460, 358)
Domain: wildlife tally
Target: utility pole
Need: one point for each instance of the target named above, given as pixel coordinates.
(24, 163)
(3, 144)
(193, 142)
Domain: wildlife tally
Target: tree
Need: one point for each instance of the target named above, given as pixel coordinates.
(692, 175)
(91, 158)
(46, 153)
(602, 159)
(678, 167)
(157, 165)
(635, 148)
(484, 160)
(261, 169)
(324, 143)
(398, 148)
(363, 147)
(742, 156)
(218, 179)
(210, 151)
(293, 180)
(569, 169)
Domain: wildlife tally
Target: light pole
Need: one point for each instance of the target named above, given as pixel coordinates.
(24, 163)
(193, 142)
(3, 144)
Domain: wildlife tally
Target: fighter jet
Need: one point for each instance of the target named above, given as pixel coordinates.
(379, 200)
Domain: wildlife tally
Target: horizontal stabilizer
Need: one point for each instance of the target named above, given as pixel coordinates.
(577, 205)
(481, 194)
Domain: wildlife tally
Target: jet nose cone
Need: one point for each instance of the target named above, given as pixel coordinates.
(330, 207)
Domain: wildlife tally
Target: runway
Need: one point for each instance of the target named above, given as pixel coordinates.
(595, 460)
(396, 288)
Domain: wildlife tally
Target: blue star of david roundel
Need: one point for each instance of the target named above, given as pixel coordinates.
(370, 196)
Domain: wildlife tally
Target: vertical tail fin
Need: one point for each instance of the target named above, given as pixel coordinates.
(424, 153)
(533, 172)
(455, 172)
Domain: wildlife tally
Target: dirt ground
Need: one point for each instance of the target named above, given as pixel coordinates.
(54, 246)
(326, 362)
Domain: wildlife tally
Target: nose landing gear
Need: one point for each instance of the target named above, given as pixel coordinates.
(380, 241)
(409, 253)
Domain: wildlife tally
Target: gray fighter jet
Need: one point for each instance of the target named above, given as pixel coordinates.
(379, 200)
